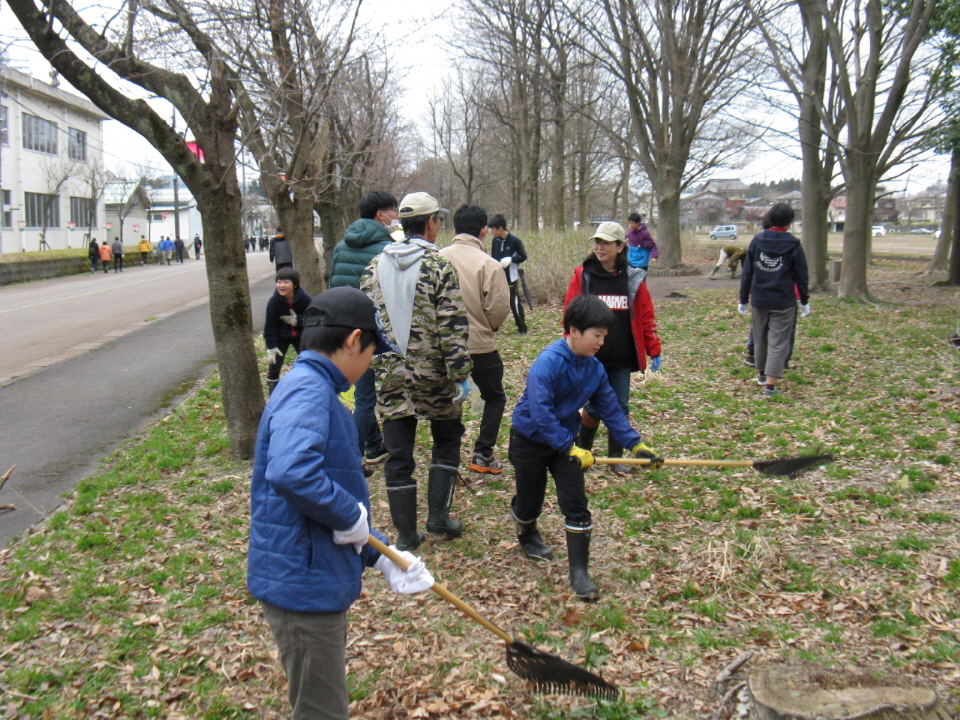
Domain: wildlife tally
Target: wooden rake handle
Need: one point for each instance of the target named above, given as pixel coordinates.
(441, 591)
(678, 461)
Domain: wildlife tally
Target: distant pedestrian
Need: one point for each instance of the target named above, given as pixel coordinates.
(178, 247)
(117, 248)
(105, 256)
(94, 254)
(284, 322)
(507, 248)
(641, 247)
(280, 253)
(197, 244)
(264, 241)
(165, 246)
(775, 270)
(144, 247)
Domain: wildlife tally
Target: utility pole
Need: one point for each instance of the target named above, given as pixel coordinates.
(176, 190)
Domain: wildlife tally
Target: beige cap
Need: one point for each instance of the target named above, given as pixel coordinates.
(419, 203)
(609, 231)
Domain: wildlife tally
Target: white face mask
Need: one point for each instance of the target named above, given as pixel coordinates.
(395, 224)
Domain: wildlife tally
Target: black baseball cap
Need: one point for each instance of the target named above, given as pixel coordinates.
(345, 307)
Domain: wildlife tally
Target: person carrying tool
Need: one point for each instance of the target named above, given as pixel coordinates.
(565, 377)
(508, 249)
(425, 375)
(309, 507)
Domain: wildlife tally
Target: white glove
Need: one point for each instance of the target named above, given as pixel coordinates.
(464, 392)
(804, 310)
(742, 309)
(506, 262)
(357, 535)
(290, 319)
(274, 355)
(405, 582)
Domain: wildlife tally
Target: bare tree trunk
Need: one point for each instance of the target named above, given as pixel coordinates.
(938, 262)
(296, 219)
(861, 188)
(625, 189)
(953, 269)
(332, 228)
(668, 226)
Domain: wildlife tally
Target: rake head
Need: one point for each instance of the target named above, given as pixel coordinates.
(791, 466)
(548, 673)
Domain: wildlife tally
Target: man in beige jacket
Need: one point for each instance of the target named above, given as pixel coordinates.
(484, 289)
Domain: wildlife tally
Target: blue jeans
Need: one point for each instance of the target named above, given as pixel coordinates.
(619, 379)
(364, 416)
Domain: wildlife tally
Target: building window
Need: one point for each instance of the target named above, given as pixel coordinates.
(3, 125)
(37, 206)
(83, 212)
(157, 217)
(76, 144)
(7, 215)
(39, 134)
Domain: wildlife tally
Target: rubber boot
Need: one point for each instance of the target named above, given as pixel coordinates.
(733, 272)
(440, 486)
(615, 450)
(531, 542)
(713, 272)
(403, 512)
(271, 386)
(578, 555)
(588, 431)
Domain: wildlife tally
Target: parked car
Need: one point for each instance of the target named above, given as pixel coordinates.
(879, 231)
(724, 232)
(921, 231)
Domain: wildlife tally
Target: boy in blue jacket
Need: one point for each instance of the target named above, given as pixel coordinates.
(564, 378)
(309, 506)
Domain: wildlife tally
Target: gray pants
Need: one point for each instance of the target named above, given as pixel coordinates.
(771, 336)
(313, 653)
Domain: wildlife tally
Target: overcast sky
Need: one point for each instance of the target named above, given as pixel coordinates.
(418, 46)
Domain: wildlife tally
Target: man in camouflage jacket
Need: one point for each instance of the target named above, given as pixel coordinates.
(425, 375)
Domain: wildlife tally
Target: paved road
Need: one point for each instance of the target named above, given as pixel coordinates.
(88, 361)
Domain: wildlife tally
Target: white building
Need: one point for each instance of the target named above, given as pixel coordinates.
(127, 208)
(163, 218)
(51, 166)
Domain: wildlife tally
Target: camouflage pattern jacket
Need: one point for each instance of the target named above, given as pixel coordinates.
(421, 313)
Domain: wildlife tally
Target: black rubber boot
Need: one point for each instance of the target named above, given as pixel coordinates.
(531, 542)
(271, 386)
(403, 512)
(588, 432)
(615, 450)
(578, 555)
(440, 486)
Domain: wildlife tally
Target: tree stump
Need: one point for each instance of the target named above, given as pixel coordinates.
(811, 692)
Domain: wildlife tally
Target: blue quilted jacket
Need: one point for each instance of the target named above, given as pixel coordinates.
(307, 481)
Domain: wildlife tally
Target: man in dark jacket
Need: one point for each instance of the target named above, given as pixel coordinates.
(774, 272)
(280, 253)
(178, 246)
(507, 248)
(310, 509)
(364, 240)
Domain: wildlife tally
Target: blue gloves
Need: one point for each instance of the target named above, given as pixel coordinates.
(655, 364)
(464, 392)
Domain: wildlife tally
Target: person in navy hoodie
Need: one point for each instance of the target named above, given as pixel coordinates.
(310, 509)
(284, 321)
(775, 264)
